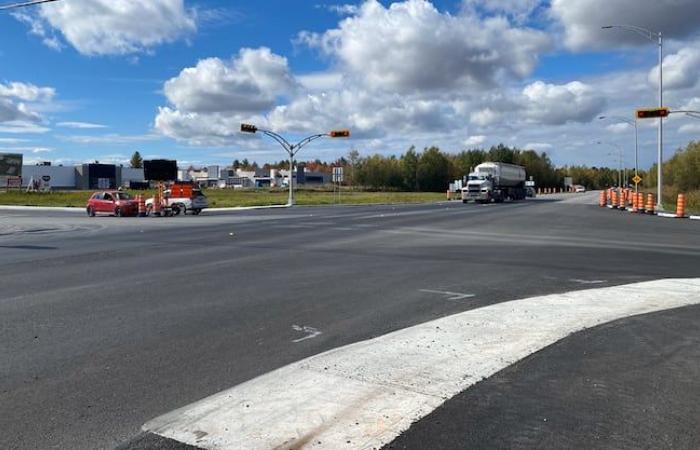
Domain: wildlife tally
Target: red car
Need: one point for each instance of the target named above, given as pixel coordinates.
(112, 202)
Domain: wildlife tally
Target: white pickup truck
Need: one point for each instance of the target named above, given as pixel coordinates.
(180, 202)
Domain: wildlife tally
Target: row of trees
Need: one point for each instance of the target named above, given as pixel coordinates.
(433, 169)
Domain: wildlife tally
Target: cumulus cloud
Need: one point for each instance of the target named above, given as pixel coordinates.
(680, 69)
(208, 101)
(474, 141)
(411, 46)
(13, 97)
(582, 19)
(248, 83)
(112, 27)
(558, 104)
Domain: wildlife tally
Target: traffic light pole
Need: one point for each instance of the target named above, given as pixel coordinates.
(292, 149)
(660, 156)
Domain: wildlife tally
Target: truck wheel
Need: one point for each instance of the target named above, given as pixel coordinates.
(196, 211)
(176, 210)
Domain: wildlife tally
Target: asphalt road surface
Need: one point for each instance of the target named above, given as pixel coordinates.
(107, 323)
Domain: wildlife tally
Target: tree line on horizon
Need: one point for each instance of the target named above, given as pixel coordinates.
(432, 169)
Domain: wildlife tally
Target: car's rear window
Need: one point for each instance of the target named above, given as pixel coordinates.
(123, 196)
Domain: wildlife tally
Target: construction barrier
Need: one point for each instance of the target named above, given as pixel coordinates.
(142, 205)
(602, 199)
(680, 206)
(649, 208)
(623, 201)
(640, 202)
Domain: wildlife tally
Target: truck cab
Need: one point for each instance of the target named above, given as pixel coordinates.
(479, 188)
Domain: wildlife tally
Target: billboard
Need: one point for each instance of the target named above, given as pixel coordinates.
(160, 170)
(10, 164)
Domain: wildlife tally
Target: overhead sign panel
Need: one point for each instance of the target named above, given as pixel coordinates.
(10, 164)
(160, 170)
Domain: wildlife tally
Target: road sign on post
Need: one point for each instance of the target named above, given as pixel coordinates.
(652, 113)
(637, 179)
(338, 175)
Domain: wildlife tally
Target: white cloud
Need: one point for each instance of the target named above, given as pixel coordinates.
(80, 125)
(248, 83)
(111, 138)
(690, 128)
(13, 97)
(538, 146)
(411, 46)
(485, 117)
(582, 20)
(112, 27)
(620, 127)
(22, 127)
(680, 70)
(209, 101)
(474, 141)
(558, 104)
(26, 92)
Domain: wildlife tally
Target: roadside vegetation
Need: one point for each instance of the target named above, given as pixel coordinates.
(221, 198)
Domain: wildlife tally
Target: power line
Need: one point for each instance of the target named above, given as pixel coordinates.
(22, 4)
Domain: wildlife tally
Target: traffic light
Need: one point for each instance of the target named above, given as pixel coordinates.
(339, 133)
(652, 113)
(248, 128)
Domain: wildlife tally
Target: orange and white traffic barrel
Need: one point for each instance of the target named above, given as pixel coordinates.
(649, 207)
(680, 206)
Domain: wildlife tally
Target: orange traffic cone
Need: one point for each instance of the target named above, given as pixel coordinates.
(680, 206)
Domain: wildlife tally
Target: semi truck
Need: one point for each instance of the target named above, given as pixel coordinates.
(494, 181)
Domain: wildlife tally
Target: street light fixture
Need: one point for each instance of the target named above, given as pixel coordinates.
(652, 36)
(292, 149)
(636, 144)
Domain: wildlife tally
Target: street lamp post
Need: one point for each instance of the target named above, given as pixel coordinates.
(660, 149)
(292, 149)
(620, 158)
(636, 144)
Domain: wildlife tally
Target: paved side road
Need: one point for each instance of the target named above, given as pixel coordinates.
(108, 323)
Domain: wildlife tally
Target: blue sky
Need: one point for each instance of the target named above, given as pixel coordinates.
(94, 83)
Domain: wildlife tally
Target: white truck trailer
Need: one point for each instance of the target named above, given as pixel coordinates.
(495, 181)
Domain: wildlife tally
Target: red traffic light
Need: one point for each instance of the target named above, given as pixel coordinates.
(248, 128)
(652, 113)
(339, 133)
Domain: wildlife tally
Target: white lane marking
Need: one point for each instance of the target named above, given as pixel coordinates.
(365, 394)
(311, 332)
(580, 281)
(451, 295)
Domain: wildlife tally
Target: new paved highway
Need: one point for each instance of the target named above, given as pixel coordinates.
(107, 323)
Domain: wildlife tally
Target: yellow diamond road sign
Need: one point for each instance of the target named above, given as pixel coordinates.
(637, 179)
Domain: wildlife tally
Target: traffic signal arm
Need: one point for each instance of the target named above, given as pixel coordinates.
(248, 128)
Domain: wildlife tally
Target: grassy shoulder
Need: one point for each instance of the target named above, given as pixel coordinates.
(223, 198)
